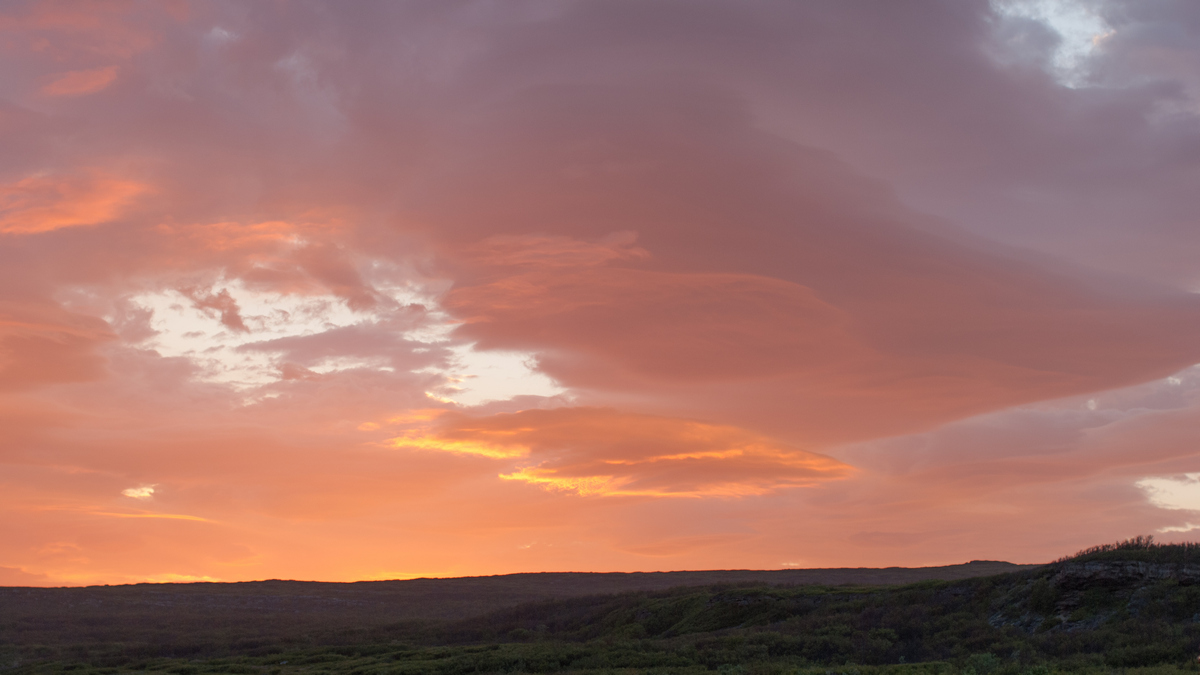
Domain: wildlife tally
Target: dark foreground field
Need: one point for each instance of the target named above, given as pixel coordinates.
(1133, 607)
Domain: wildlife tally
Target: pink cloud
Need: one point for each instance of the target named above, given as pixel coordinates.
(772, 263)
(41, 344)
(81, 82)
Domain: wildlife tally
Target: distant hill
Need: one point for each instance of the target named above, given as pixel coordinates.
(434, 599)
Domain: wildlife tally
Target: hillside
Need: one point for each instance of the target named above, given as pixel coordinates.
(1110, 607)
(430, 599)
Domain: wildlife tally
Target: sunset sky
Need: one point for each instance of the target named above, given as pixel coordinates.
(374, 290)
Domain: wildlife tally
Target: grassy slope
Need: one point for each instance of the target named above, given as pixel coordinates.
(216, 617)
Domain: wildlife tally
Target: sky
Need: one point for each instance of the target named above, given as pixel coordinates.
(381, 290)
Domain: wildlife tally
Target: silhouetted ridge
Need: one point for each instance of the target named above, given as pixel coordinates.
(1141, 548)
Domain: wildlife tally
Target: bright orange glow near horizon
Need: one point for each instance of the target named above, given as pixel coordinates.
(345, 291)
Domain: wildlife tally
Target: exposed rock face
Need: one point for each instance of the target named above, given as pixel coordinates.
(1083, 575)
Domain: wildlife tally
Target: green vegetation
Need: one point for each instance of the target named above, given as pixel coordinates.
(1130, 608)
(1140, 549)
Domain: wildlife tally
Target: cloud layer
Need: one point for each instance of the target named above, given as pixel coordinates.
(456, 288)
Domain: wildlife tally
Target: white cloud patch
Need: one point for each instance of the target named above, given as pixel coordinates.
(1186, 527)
(217, 330)
(199, 328)
(1079, 28)
(144, 492)
(219, 35)
(482, 376)
(1176, 494)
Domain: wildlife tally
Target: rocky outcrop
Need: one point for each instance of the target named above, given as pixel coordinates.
(1081, 595)
(1099, 573)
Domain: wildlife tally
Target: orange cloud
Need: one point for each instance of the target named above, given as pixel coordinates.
(119, 514)
(81, 82)
(604, 452)
(45, 203)
(419, 441)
